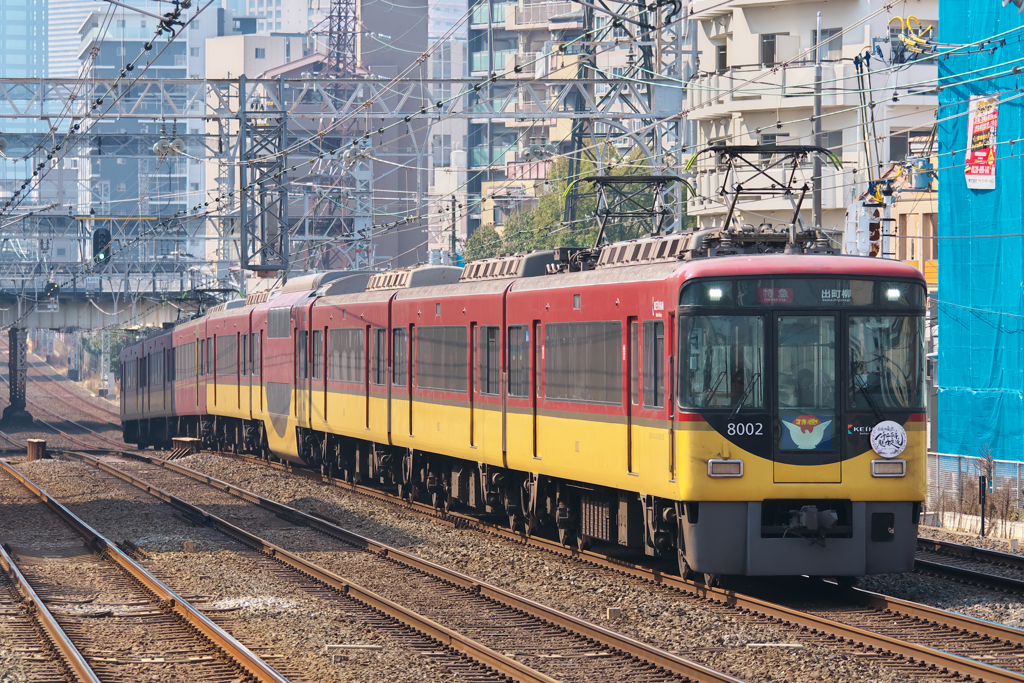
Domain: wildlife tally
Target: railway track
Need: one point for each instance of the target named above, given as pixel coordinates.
(477, 620)
(45, 381)
(116, 621)
(40, 649)
(100, 440)
(916, 637)
(969, 564)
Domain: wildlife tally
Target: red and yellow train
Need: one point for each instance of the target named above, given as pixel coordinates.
(757, 414)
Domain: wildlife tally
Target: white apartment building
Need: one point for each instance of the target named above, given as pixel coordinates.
(755, 86)
(288, 16)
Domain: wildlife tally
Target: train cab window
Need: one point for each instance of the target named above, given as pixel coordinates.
(721, 361)
(707, 293)
(490, 360)
(886, 362)
(399, 358)
(654, 364)
(380, 357)
(807, 382)
(518, 361)
(302, 354)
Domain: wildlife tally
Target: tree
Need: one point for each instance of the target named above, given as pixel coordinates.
(542, 227)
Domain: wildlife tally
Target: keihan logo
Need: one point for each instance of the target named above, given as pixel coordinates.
(806, 431)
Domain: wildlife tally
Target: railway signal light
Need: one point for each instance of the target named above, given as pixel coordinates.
(51, 289)
(101, 245)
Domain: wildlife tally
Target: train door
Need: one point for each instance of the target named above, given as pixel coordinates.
(301, 373)
(323, 370)
(806, 429)
(409, 354)
(367, 355)
(633, 373)
(239, 364)
(474, 333)
(538, 357)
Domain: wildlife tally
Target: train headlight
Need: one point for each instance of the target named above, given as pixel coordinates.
(725, 468)
(888, 468)
(715, 293)
(893, 293)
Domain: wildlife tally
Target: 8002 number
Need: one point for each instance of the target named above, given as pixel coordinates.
(745, 429)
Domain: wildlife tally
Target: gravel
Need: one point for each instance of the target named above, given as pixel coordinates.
(712, 635)
(270, 614)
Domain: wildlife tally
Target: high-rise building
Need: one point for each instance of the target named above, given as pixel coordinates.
(65, 19)
(755, 86)
(287, 16)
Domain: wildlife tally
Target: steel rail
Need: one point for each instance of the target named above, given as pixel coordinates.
(256, 667)
(458, 642)
(73, 659)
(650, 654)
(842, 632)
(968, 552)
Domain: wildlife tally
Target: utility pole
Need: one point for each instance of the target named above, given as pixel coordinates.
(817, 168)
(453, 255)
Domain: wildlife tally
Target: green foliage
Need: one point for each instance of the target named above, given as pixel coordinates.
(543, 227)
(118, 340)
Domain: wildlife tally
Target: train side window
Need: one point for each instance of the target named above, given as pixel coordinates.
(380, 361)
(202, 355)
(209, 355)
(518, 361)
(538, 356)
(442, 358)
(318, 354)
(256, 344)
(490, 360)
(302, 354)
(654, 364)
(634, 363)
(583, 362)
(399, 358)
(227, 355)
(243, 353)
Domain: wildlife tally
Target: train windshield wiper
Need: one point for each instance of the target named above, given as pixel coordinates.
(710, 391)
(753, 380)
(870, 399)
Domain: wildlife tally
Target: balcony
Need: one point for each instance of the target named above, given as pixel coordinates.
(528, 64)
(478, 19)
(478, 61)
(751, 87)
(112, 34)
(537, 14)
(481, 157)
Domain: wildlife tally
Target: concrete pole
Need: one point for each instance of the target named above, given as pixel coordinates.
(818, 138)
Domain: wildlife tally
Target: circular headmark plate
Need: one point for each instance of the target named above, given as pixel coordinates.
(888, 439)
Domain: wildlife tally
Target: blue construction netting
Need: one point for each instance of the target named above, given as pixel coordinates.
(981, 279)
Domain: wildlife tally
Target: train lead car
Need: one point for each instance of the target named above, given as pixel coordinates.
(688, 396)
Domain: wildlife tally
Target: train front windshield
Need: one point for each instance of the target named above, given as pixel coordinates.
(800, 353)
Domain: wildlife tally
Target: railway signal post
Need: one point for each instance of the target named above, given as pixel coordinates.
(17, 367)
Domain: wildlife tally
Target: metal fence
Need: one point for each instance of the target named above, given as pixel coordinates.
(958, 474)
